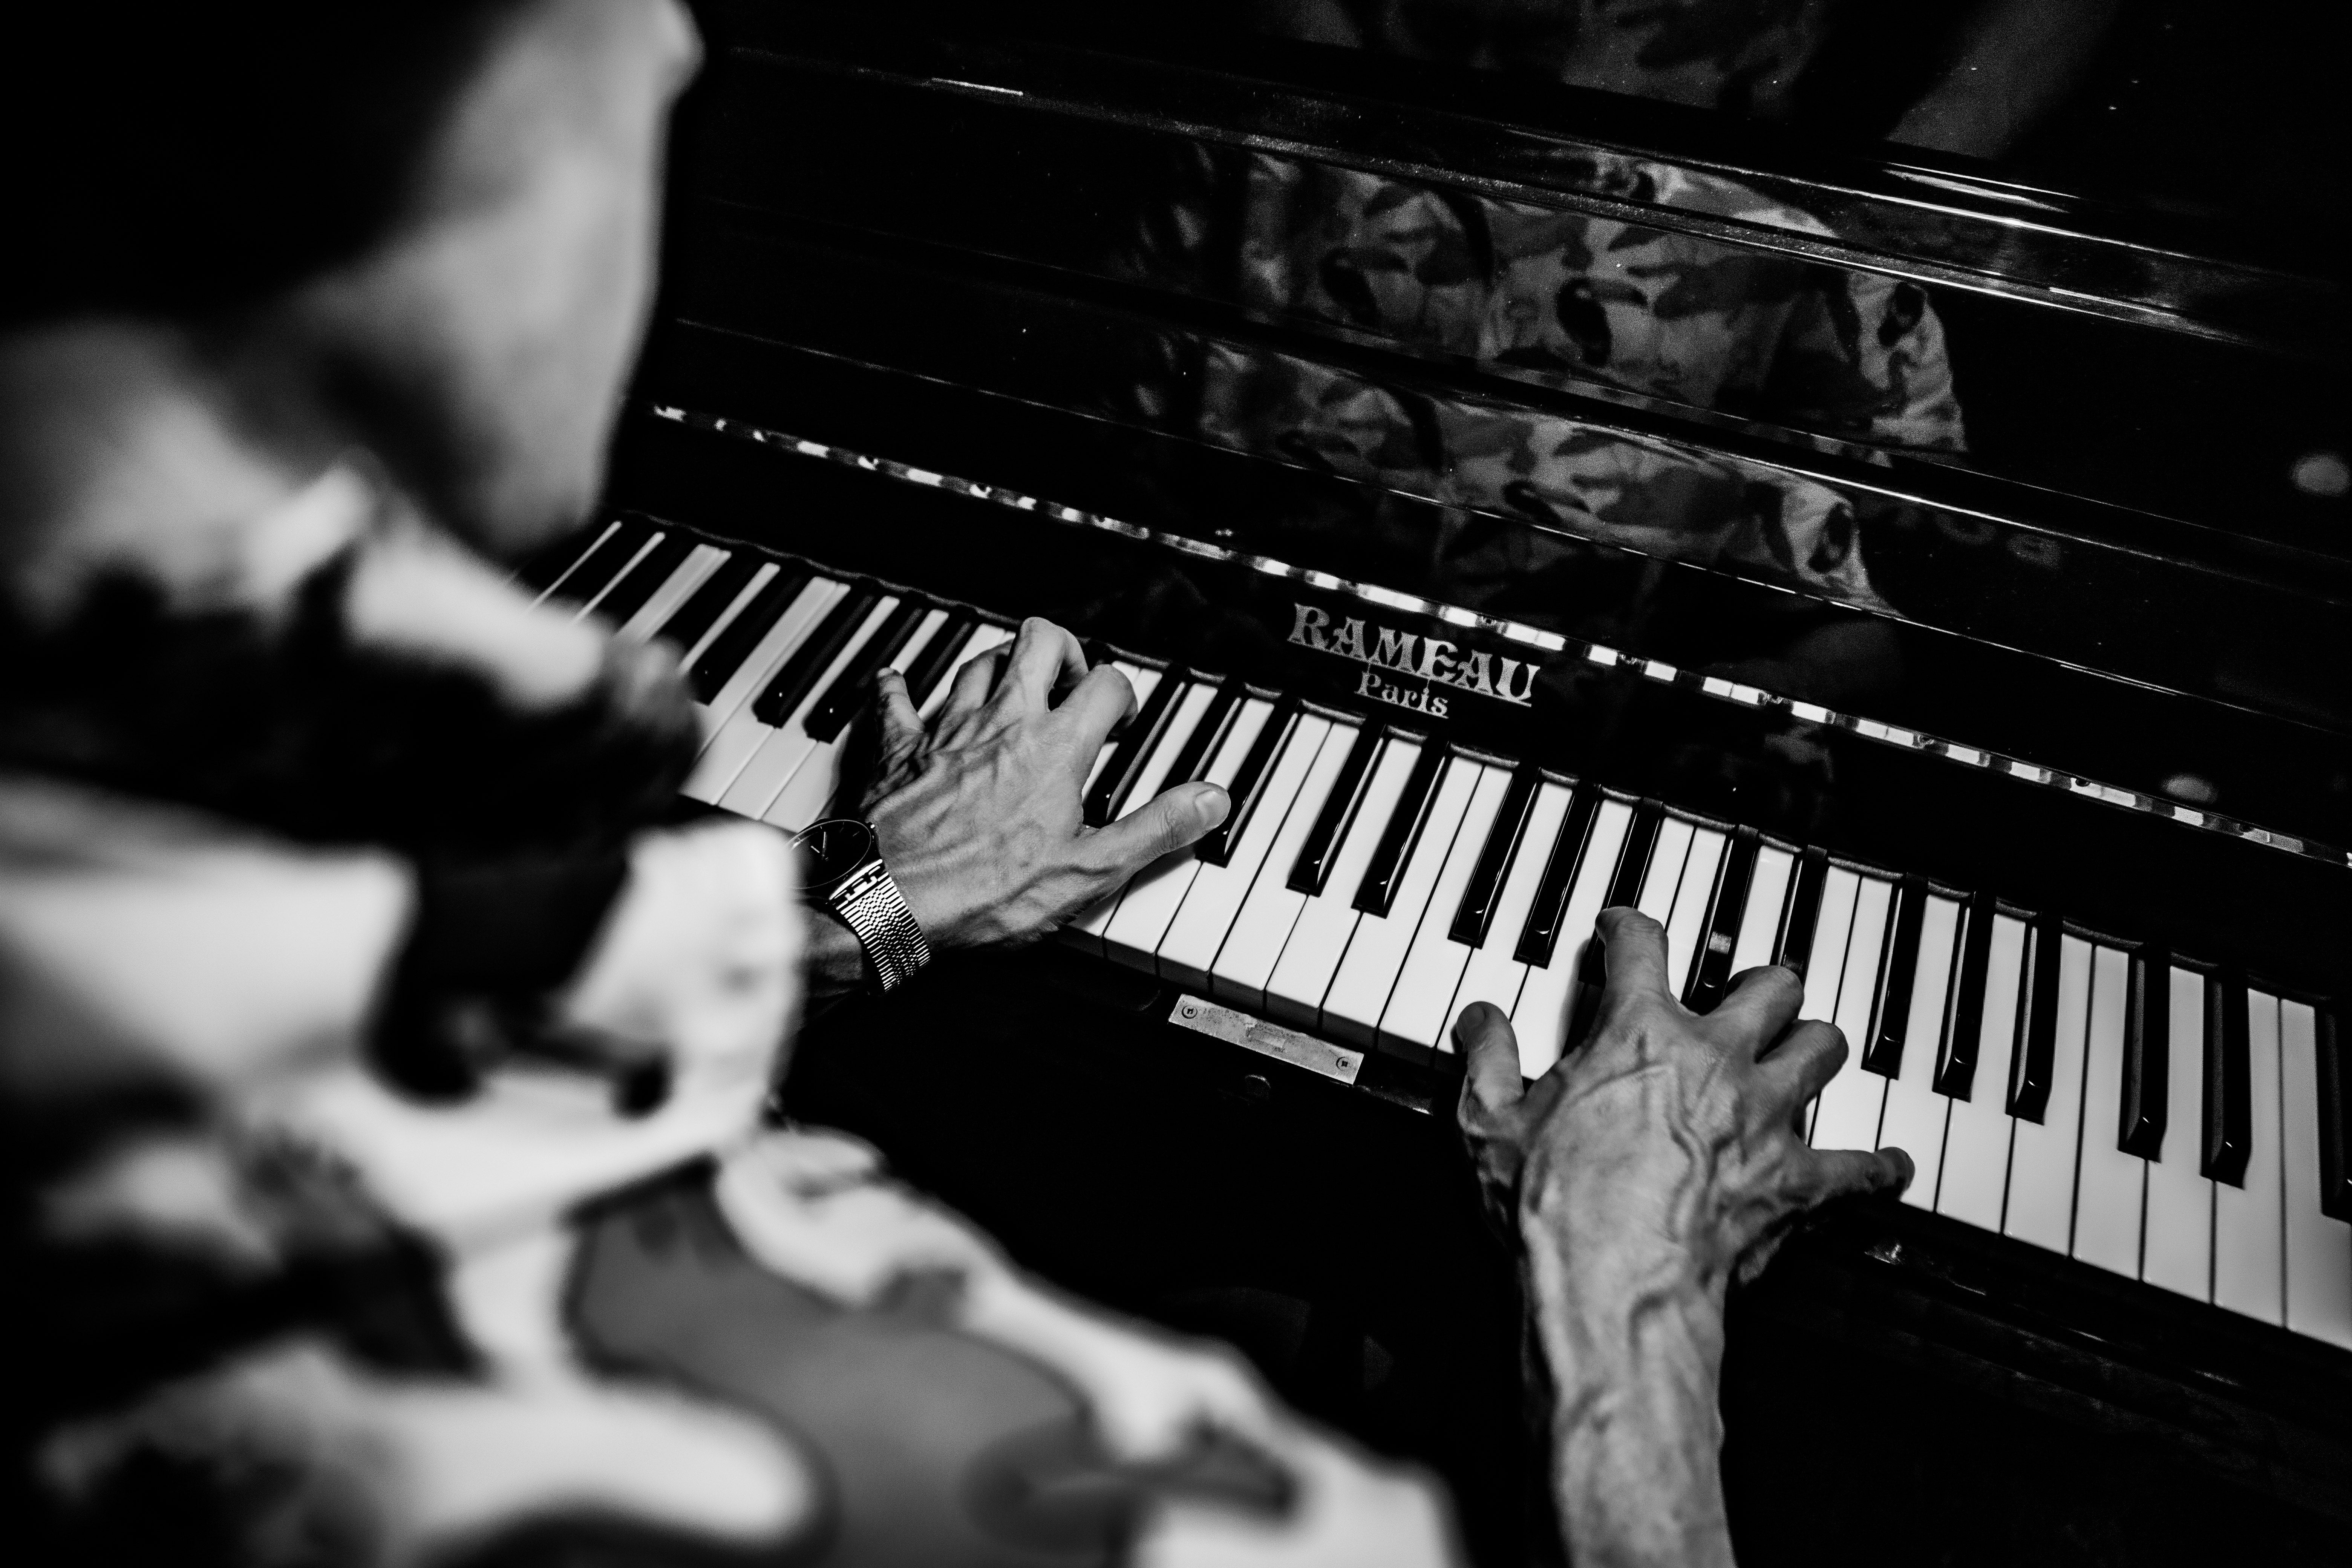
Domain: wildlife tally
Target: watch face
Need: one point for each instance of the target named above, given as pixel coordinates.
(833, 849)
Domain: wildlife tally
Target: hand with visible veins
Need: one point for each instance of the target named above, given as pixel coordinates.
(979, 814)
(1639, 1177)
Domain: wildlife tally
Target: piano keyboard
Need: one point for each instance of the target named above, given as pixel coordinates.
(2127, 1108)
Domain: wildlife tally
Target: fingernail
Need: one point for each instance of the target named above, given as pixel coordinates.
(1211, 804)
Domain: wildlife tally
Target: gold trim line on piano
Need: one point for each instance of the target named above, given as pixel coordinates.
(1747, 696)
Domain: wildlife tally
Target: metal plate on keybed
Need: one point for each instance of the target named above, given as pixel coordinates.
(1267, 1040)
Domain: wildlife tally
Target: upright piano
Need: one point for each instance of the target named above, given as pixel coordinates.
(1968, 633)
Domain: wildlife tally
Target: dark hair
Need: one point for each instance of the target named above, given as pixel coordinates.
(178, 159)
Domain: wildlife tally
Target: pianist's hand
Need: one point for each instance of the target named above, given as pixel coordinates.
(979, 814)
(1639, 1177)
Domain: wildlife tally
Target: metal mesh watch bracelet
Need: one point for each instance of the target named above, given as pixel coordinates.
(873, 908)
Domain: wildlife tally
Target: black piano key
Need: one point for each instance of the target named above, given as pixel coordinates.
(1796, 943)
(1401, 836)
(853, 688)
(1964, 1013)
(1897, 972)
(2034, 1060)
(1339, 813)
(1624, 889)
(603, 564)
(1711, 975)
(1193, 758)
(731, 647)
(1249, 784)
(2229, 1073)
(707, 604)
(548, 563)
(2148, 1066)
(1476, 912)
(800, 673)
(2334, 1121)
(1540, 935)
(939, 655)
(646, 578)
(1126, 759)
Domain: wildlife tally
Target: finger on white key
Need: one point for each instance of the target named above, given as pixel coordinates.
(1150, 901)
(1374, 963)
(1694, 900)
(1662, 878)
(1493, 973)
(1145, 682)
(1768, 898)
(790, 693)
(804, 799)
(1547, 996)
(2110, 1187)
(1825, 960)
(1245, 960)
(2248, 1215)
(1977, 1131)
(1213, 903)
(1148, 913)
(2042, 1154)
(1852, 1101)
(1186, 706)
(2318, 1245)
(989, 637)
(2177, 1252)
(1916, 1113)
(1421, 1006)
(1318, 939)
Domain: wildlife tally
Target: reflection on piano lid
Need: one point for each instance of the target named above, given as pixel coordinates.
(2106, 1099)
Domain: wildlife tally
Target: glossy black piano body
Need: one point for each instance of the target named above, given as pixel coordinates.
(925, 332)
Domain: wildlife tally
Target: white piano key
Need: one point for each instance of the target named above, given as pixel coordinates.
(1318, 937)
(2318, 1248)
(691, 573)
(804, 799)
(1254, 945)
(1847, 1117)
(735, 607)
(2249, 1221)
(783, 749)
(1419, 1008)
(2176, 1248)
(1147, 915)
(1767, 895)
(2110, 1187)
(1547, 996)
(2042, 1154)
(573, 565)
(1825, 964)
(1686, 924)
(653, 542)
(1374, 960)
(732, 732)
(1091, 926)
(1975, 1133)
(1493, 975)
(1664, 875)
(1916, 1113)
(1213, 903)
(986, 636)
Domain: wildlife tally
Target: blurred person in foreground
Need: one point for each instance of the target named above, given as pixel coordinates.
(392, 1172)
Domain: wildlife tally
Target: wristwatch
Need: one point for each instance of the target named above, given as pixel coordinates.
(844, 872)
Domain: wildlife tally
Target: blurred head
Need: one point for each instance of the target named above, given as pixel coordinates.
(423, 227)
